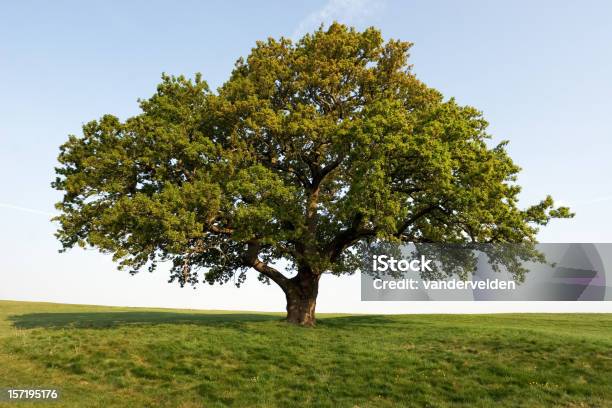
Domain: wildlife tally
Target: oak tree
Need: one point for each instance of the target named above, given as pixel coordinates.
(310, 148)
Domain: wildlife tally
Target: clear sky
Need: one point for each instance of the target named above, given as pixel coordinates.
(540, 72)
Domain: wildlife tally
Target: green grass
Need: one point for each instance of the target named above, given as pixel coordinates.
(101, 356)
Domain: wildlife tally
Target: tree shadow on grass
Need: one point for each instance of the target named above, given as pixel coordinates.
(365, 321)
(104, 320)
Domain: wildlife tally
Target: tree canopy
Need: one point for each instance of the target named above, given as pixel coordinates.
(309, 148)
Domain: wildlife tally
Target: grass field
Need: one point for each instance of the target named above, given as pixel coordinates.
(102, 356)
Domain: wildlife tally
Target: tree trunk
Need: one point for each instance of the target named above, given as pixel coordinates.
(302, 299)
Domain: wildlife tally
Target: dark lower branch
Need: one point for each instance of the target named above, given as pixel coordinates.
(251, 258)
(413, 218)
(348, 237)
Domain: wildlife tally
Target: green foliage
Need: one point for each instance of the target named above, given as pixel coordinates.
(307, 150)
(117, 357)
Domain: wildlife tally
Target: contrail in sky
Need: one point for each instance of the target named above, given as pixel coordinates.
(40, 212)
(25, 209)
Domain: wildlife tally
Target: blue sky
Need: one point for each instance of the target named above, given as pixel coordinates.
(540, 72)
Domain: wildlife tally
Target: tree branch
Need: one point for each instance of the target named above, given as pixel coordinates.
(220, 230)
(347, 237)
(251, 259)
(413, 218)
